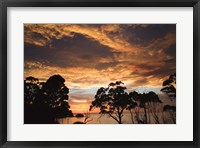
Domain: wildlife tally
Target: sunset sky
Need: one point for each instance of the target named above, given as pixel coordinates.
(91, 56)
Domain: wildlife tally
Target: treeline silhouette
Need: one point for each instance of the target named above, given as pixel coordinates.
(114, 100)
(45, 101)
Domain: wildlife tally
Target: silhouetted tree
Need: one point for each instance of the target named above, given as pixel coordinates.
(133, 106)
(32, 80)
(35, 110)
(112, 101)
(149, 102)
(45, 101)
(169, 86)
(31, 90)
(55, 90)
(57, 95)
(153, 102)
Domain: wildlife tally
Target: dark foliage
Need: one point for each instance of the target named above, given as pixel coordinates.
(112, 101)
(168, 86)
(147, 101)
(169, 107)
(46, 101)
(170, 90)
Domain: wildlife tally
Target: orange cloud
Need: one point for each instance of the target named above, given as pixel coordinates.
(136, 64)
(80, 77)
(100, 34)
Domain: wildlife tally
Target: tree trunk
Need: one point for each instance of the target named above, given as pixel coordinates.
(132, 117)
(145, 115)
(120, 118)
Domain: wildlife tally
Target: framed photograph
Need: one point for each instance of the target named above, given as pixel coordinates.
(99, 73)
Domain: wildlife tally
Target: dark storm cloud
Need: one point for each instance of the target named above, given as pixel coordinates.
(171, 50)
(66, 52)
(144, 35)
